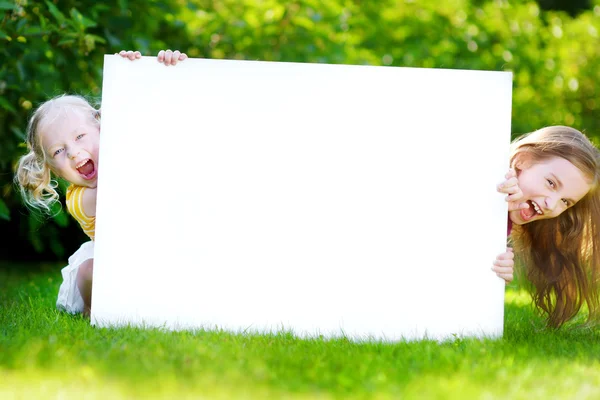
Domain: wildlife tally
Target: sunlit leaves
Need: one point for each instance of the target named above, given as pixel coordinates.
(48, 47)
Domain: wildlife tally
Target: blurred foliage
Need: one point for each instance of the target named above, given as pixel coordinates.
(51, 47)
(573, 7)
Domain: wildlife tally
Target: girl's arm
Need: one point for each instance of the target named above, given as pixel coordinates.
(504, 265)
(89, 202)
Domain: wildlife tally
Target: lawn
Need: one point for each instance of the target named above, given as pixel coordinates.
(47, 354)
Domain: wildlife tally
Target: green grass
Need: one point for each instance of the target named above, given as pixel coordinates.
(47, 354)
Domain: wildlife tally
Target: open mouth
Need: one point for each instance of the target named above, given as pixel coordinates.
(533, 210)
(87, 169)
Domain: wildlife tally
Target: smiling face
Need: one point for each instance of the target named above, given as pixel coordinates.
(549, 187)
(70, 142)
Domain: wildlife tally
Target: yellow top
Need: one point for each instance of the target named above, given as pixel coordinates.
(75, 208)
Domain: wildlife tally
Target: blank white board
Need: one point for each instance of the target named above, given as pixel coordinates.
(330, 200)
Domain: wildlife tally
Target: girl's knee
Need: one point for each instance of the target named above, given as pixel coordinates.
(86, 270)
(84, 283)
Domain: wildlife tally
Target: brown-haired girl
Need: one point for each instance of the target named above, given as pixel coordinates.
(554, 216)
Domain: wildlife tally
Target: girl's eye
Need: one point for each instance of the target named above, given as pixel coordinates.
(80, 136)
(57, 152)
(550, 182)
(566, 202)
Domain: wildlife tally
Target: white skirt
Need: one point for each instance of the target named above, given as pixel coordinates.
(69, 298)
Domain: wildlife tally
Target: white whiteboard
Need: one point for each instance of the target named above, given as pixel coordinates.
(319, 199)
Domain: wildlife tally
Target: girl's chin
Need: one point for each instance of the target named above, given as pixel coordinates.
(88, 183)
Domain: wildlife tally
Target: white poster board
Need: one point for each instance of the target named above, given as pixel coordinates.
(319, 199)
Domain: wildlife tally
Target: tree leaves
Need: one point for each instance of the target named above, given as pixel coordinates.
(4, 211)
(7, 5)
(49, 47)
(56, 13)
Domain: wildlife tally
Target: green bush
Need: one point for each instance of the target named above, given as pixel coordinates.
(54, 47)
(49, 48)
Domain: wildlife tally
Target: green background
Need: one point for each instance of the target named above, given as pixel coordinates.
(50, 47)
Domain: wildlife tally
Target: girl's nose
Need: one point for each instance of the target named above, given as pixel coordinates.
(72, 153)
(551, 202)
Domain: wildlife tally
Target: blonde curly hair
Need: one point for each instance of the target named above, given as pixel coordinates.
(33, 174)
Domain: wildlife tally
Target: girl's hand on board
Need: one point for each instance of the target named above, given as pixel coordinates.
(132, 55)
(504, 265)
(510, 186)
(169, 57)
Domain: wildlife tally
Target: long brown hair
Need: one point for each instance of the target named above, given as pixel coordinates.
(562, 254)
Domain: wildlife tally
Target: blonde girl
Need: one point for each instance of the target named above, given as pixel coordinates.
(63, 138)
